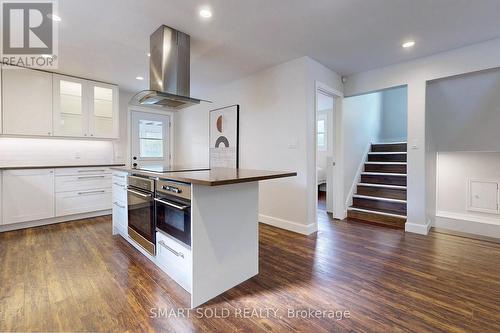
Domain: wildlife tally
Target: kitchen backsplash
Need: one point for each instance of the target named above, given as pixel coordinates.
(38, 151)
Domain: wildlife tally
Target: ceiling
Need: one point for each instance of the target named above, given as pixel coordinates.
(108, 39)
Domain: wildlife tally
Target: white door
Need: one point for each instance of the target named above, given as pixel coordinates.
(150, 139)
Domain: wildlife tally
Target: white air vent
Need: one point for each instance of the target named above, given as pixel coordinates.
(483, 196)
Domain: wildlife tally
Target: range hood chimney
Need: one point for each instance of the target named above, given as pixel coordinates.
(169, 71)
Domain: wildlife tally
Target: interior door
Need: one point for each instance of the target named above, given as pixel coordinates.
(150, 139)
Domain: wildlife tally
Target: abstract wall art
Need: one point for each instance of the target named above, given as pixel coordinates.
(224, 137)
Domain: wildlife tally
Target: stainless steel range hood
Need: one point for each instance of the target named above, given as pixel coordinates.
(169, 71)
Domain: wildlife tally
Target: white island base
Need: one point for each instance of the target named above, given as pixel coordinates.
(224, 248)
(224, 238)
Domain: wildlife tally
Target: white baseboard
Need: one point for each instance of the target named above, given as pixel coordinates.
(417, 228)
(289, 225)
(38, 223)
(467, 224)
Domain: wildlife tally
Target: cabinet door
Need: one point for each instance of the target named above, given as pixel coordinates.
(103, 119)
(70, 118)
(27, 101)
(27, 195)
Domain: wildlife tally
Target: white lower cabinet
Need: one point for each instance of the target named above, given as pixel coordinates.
(27, 195)
(78, 202)
(120, 217)
(174, 258)
(82, 190)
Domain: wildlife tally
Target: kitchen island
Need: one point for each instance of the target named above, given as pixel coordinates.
(224, 245)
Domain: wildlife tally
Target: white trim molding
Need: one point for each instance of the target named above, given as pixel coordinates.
(418, 228)
(53, 220)
(304, 229)
(489, 227)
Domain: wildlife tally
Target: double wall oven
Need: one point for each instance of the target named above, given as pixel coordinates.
(158, 205)
(141, 212)
(173, 210)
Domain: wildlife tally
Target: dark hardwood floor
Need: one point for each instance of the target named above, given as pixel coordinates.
(77, 277)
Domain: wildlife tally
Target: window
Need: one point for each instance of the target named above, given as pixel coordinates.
(322, 145)
(150, 139)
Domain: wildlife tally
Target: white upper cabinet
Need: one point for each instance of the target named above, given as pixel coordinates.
(70, 118)
(103, 118)
(26, 101)
(44, 104)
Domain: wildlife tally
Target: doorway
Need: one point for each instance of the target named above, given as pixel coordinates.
(150, 139)
(325, 104)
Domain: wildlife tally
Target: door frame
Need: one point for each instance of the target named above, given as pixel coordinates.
(142, 109)
(337, 151)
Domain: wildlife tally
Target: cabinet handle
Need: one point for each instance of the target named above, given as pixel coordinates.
(89, 177)
(91, 192)
(118, 205)
(178, 254)
(123, 186)
(119, 176)
(82, 171)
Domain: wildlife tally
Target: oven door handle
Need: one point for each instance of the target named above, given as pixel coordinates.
(139, 193)
(171, 204)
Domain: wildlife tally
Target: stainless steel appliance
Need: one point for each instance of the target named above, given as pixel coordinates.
(141, 217)
(169, 71)
(173, 209)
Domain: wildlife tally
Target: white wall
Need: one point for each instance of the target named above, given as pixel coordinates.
(415, 74)
(276, 133)
(393, 119)
(37, 151)
(465, 104)
(361, 127)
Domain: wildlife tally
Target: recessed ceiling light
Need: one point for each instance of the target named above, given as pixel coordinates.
(205, 13)
(54, 17)
(408, 44)
(148, 54)
(140, 78)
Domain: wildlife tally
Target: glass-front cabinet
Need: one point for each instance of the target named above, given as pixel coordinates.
(104, 111)
(69, 116)
(84, 108)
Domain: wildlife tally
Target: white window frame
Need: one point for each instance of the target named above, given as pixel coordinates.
(171, 134)
(322, 117)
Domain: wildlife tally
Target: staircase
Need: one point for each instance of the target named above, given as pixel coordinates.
(381, 194)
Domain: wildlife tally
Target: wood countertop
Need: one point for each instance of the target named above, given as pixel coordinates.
(61, 166)
(214, 176)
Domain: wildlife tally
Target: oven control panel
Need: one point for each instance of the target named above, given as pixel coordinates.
(178, 189)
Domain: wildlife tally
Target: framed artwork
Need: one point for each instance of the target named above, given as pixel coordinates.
(224, 137)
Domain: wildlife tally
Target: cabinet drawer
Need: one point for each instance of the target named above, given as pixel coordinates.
(120, 177)
(174, 259)
(120, 219)
(82, 171)
(119, 192)
(82, 182)
(68, 203)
